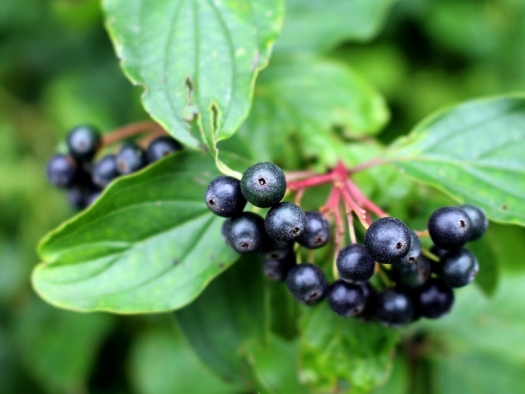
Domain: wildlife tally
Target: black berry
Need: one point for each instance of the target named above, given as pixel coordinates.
(307, 283)
(263, 184)
(412, 275)
(285, 222)
(449, 228)
(61, 170)
(81, 196)
(478, 220)
(355, 264)
(434, 299)
(224, 197)
(277, 269)
(104, 171)
(161, 147)
(130, 158)
(346, 299)
(83, 142)
(245, 233)
(394, 307)
(458, 268)
(387, 240)
(413, 252)
(317, 231)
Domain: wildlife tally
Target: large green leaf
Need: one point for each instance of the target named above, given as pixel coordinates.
(343, 353)
(317, 26)
(196, 59)
(474, 152)
(149, 244)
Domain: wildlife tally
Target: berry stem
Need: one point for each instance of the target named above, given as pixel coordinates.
(131, 130)
(299, 196)
(361, 214)
(310, 182)
(382, 274)
(351, 228)
(296, 175)
(422, 233)
(430, 255)
(361, 199)
(368, 164)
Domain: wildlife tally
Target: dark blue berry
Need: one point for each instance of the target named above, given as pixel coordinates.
(224, 197)
(411, 275)
(307, 283)
(387, 240)
(61, 170)
(449, 228)
(104, 171)
(263, 184)
(276, 250)
(478, 220)
(413, 252)
(81, 196)
(458, 268)
(317, 231)
(394, 307)
(161, 147)
(278, 269)
(355, 264)
(83, 142)
(285, 222)
(346, 299)
(434, 299)
(130, 158)
(246, 234)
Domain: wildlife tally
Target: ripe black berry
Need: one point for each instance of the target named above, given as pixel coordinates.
(161, 147)
(434, 299)
(355, 264)
(346, 299)
(478, 220)
(81, 196)
(285, 222)
(387, 240)
(412, 275)
(61, 170)
(263, 184)
(277, 269)
(130, 158)
(307, 283)
(224, 197)
(245, 233)
(394, 307)
(449, 228)
(413, 252)
(458, 268)
(316, 232)
(104, 171)
(83, 142)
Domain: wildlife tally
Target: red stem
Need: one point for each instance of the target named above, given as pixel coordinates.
(310, 182)
(361, 214)
(361, 199)
(131, 130)
(367, 164)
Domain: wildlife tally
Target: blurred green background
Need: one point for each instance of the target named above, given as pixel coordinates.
(58, 69)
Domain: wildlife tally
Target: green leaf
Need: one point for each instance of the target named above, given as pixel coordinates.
(314, 26)
(149, 244)
(343, 353)
(488, 275)
(197, 60)
(474, 152)
(226, 318)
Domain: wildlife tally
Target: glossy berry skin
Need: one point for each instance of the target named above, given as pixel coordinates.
(387, 240)
(354, 264)
(224, 197)
(130, 158)
(278, 269)
(61, 170)
(104, 171)
(285, 222)
(317, 231)
(434, 299)
(161, 147)
(245, 233)
(394, 307)
(263, 184)
(346, 299)
(458, 268)
(478, 220)
(307, 283)
(449, 228)
(411, 275)
(83, 141)
(413, 252)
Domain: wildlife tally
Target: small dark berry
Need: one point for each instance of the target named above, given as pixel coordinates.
(83, 142)
(412, 275)
(413, 252)
(277, 269)
(434, 299)
(161, 147)
(478, 220)
(276, 250)
(346, 299)
(285, 222)
(317, 231)
(224, 197)
(355, 264)
(307, 283)
(104, 171)
(449, 228)
(61, 170)
(369, 310)
(387, 240)
(263, 184)
(130, 158)
(394, 307)
(458, 268)
(246, 233)
(81, 196)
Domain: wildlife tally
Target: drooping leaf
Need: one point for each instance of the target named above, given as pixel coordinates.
(343, 353)
(196, 59)
(474, 152)
(149, 243)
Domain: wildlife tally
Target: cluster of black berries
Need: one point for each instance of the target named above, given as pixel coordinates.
(387, 241)
(85, 179)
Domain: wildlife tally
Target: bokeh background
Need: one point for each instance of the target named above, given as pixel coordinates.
(58, 69)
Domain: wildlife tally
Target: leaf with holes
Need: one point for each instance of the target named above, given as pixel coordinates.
(197, 59)
(148, 244)
(474, 152)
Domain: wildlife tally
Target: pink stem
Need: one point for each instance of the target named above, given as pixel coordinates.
(310, 182)
(356, 193)
(367, 164)
(362, 215)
